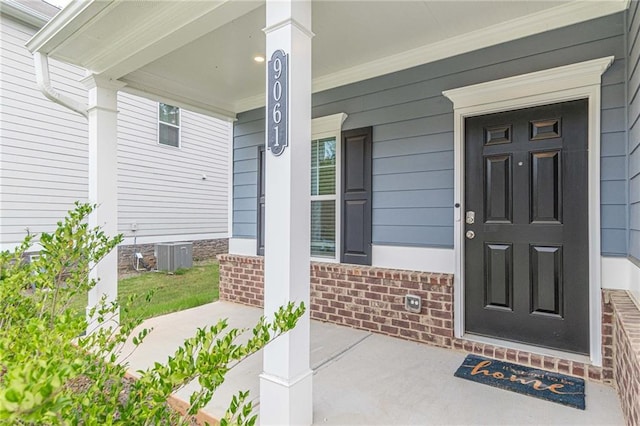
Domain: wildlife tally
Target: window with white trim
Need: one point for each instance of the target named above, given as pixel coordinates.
(325, 187)
(168, 125)
(323, 197)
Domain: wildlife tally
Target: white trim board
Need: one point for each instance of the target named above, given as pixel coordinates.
(634, 283)
(230, 152)
(571, 82)
(426, 259)
(152, 239)
(620, 273)
(616, 273)
(243, 246)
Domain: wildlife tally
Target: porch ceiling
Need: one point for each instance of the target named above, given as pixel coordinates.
(200, 53)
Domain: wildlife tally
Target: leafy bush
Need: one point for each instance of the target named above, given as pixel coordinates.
(51, 373)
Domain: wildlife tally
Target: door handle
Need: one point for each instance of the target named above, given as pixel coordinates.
(470, 235)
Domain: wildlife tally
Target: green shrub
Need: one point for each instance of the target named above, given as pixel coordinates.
(51, 373)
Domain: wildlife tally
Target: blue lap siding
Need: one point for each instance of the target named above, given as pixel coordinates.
(633, 97)
(413, 134)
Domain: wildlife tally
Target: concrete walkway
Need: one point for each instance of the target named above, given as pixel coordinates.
(363, 378)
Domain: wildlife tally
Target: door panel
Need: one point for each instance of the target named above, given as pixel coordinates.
(546, 280)
(526, 269)
(497, 177)
(499, 276)
(546, 187)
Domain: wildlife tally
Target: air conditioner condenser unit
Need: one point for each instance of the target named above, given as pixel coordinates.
(172, 256)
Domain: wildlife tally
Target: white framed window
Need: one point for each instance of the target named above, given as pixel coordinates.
(325, 187)
(168, 125)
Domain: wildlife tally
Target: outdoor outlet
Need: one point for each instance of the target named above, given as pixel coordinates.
(413, 303)
(134, 226)
(138, 255)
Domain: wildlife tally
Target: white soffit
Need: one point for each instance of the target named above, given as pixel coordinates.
(501, 22)
(201, 52)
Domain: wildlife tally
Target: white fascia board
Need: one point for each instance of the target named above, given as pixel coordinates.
(540, 22)
(66, 23)
(24, 13)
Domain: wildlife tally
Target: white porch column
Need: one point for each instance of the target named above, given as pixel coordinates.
(285, 384)
(103, 180)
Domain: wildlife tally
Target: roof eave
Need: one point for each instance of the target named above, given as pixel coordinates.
(70, 19)
(24, 13)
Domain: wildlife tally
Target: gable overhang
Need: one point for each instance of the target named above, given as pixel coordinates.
(199, 54)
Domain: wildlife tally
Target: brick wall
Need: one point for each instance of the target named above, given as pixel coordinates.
(370, 298)
(626, 347)
(362, 297)
(202, 250)
(241, 279)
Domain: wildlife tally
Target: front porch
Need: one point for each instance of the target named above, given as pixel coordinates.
(379, 102)
(366, 378)
(372, 299)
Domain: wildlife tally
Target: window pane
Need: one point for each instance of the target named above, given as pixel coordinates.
(327, 152)
(323, 167)
(326, 181)
(169, 135)
(323, 228)
(170, 114)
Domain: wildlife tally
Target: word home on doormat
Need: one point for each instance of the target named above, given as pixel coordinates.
(542, 384)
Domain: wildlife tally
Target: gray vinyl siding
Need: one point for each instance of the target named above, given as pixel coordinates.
(633, 96)
(160, 188)
(43, 149)
(248, 135)
(413, 133)
(44, 156)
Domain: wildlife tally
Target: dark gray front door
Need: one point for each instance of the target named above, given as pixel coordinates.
(526, 252)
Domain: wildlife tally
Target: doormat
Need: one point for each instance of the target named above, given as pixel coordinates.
(542, 384)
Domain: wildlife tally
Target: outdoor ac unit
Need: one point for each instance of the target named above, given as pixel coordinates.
(172, 256)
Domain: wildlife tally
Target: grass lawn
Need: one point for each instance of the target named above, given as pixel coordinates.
(184, 289)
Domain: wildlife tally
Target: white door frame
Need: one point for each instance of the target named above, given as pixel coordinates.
(577, 81)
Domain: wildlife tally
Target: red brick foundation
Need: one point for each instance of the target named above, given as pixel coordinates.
(362, 297)
(372, 299)
(626, 349)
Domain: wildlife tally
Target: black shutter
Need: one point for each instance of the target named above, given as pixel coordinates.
(356, 196)
(260, 196)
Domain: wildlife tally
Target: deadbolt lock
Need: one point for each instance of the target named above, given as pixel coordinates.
(470, 235)
(470, 217)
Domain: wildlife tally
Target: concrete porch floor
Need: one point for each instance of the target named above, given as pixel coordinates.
(364, 378)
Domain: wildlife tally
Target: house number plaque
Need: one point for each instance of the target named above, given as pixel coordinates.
(278, 102)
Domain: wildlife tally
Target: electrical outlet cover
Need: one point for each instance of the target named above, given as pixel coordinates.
(413, 303)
